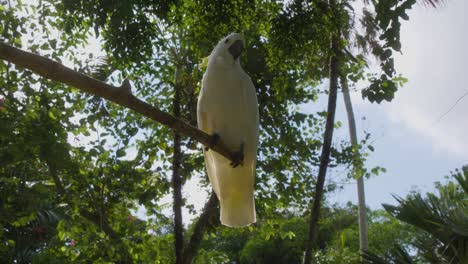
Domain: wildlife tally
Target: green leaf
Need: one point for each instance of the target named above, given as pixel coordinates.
(120, 153)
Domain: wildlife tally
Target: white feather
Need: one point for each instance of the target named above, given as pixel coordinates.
(228, 106)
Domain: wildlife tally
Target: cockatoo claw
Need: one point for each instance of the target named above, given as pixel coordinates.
(238, 157)
(213, 142)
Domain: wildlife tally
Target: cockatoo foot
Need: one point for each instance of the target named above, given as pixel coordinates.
(238, 157)
(213, 142)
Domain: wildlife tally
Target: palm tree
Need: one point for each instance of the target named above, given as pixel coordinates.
(442, 218)
(33, 237)
(362, 214)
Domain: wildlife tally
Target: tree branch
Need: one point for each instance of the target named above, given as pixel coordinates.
(55, 71)
(121, 95)
(197, 236)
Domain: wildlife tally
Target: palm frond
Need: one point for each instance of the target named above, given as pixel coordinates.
(396, 255)
(101, 68)
(462, 178)
(444, 216)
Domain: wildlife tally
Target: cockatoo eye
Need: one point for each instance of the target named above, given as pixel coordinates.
(226, 41)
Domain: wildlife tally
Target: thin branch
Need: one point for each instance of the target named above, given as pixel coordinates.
(55, 71)
(450, 109)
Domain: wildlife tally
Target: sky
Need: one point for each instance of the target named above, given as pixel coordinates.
(411, 140)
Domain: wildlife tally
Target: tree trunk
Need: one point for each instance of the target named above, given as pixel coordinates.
(325, 155)
(362, 214)
(176, 178)
(199, 229)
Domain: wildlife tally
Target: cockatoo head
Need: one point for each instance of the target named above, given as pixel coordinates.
(229, 47)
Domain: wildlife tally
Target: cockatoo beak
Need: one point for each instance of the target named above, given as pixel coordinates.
(236, 49)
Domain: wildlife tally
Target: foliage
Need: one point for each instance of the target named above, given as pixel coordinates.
(387, 22)
(45, 166)
(282, 240)
(442, 217)
(334, 256)
(396, 255)
(384, 232)
(128, 28)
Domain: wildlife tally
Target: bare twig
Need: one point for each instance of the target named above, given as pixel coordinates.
(450, 109)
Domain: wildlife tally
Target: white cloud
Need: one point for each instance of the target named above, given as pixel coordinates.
(434, 60)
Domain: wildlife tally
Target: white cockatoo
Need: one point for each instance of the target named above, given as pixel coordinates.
(228, 108)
